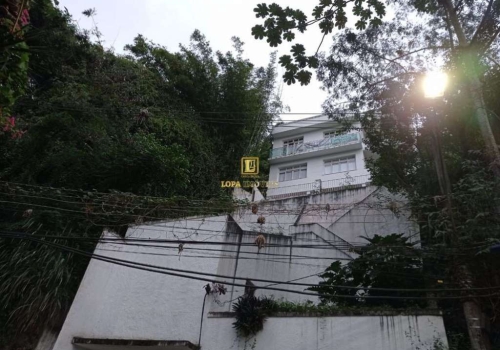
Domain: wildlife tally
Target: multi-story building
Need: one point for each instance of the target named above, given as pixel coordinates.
(313, 154)
(323, 205)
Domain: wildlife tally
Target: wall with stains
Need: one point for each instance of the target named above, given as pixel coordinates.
(117, 302)
(302, 239)
(397, 332)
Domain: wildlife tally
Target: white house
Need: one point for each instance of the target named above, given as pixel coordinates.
(312, 154)
(306, 228)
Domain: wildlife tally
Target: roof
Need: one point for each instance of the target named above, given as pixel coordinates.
(300, 125)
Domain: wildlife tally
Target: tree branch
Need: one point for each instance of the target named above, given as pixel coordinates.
(366, 49)
(450, 33)
(448, 6)
(418, 50)
(493, 37)
(486, 17)
(483, 21)
(493, 60)
(321, 43)
(372, 85)
(458, 6)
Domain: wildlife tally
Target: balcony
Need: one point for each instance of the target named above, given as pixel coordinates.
(318, 187)
(342, 143)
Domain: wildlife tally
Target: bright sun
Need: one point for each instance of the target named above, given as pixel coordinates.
(435, 84)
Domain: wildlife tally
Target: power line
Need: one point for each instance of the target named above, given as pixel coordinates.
(58, 191)
(342, 245)
(23, 236)
(326, 244)
(285, 258)
(234, 121)
(154, 268)
(139, 216)
(263, 208)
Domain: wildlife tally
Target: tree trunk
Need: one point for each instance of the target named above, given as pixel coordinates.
(480, 111)
(472, 312)
(475, 88)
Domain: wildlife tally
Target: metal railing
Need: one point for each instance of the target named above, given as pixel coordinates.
(318, 186)
(346, 181)
(329, 142)
(296, 190)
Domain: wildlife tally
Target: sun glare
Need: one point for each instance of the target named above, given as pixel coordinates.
(435, 84)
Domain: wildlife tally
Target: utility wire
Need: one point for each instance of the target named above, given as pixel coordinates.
(218, 243)
(263, 208)
(56, 245)
(156, 270)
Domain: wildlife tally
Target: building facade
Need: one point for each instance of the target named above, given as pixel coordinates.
(119, 307)
(313, 154)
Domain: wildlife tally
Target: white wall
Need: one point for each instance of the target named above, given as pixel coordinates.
(117, 302)
(315, 164)
(339, 332)
(311, 133)
(315, 168)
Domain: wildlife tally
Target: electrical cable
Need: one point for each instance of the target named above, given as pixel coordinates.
(134, 266)
(23, 236)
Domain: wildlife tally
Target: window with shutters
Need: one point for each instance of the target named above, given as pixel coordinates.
(293, 173)
(340, 165)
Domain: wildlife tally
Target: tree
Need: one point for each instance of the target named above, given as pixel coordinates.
(234, 102)
(377, 66)
(14, 57)
(142, 137)
(392, 52)
(369, 270)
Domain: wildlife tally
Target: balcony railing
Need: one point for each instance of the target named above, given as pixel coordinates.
(330, 142)
(318, 186)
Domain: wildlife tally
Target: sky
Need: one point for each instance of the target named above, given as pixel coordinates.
(171, 22)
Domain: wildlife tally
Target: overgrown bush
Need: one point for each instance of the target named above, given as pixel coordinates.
(251, 313)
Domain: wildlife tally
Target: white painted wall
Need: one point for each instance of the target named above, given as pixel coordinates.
(117, 302)
(312, 129)
(325, 333)
(120, 302)
(315, 168)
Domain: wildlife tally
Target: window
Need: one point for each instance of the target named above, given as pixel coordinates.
(340, 165)
(292, 146)
(329, 134)
(293, 173)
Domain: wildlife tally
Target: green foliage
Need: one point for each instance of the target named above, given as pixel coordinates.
(369, 270)
(14, 55)
(329, 309)
(233, 102)
(251, 313)
(377, 65)
(279, 24)
(165, 126)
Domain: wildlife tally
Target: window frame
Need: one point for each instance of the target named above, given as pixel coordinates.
(347, 160)
(329, 133)
(289, 172)
(290, 146)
